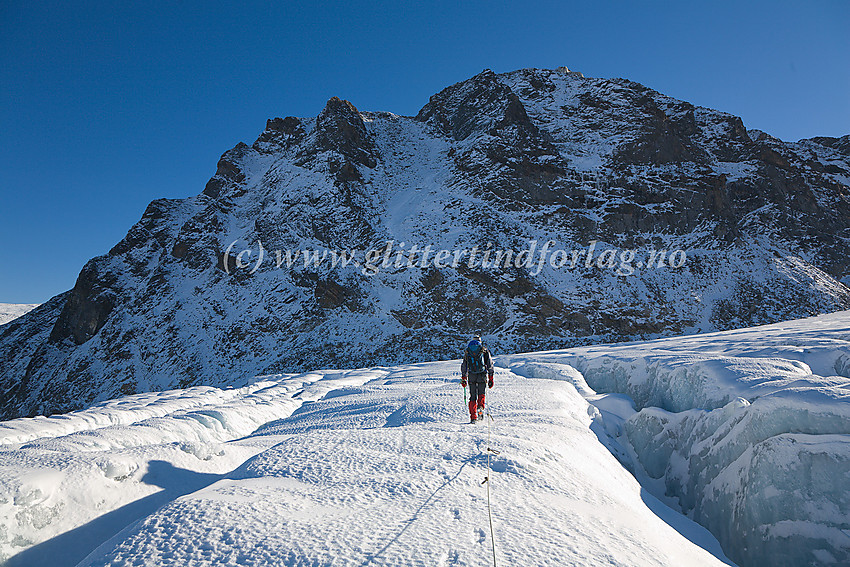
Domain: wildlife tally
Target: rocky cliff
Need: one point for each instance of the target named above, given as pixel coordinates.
(491, 163)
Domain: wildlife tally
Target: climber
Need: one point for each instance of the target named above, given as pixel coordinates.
(478, 367)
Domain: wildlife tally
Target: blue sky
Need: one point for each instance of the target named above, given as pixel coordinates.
(107, 106)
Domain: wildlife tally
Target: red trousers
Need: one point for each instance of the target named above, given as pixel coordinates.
(476, 398)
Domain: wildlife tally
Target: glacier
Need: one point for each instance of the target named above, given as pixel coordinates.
(744, 431)
(714, 449)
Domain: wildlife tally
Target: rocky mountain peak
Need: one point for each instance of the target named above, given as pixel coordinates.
(280, 134)
(228, 174)
(482, 104)
(840, 145)
(340, 128)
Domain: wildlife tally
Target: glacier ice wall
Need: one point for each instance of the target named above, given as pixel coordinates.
(747, 432)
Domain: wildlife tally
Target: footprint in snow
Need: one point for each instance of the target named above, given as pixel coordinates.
(452, 557)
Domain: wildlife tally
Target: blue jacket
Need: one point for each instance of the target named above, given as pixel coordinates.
(488, 364)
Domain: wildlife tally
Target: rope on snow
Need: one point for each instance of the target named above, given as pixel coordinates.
(490, 451)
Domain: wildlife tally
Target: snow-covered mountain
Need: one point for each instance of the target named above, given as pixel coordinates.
(493, 162)
(11, 311)
(746, 432)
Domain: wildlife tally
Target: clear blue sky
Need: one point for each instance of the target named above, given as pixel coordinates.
(105, 106)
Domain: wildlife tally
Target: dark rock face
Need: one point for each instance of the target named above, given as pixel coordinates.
(531, 168)
(490, 163)
(481, 105)
(280, 133)
(228, 173)
(841, 145)
(329, 294)
(87, 306)
(340, 128)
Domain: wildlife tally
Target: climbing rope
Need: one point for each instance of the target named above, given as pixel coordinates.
(490, 451)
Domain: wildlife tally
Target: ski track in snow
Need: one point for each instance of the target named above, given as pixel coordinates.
(377, 467)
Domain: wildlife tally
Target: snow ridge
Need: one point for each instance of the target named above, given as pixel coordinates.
(374, 466)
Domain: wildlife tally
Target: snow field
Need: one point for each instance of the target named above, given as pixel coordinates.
(79, 468)
(387, 474)
(747, 432)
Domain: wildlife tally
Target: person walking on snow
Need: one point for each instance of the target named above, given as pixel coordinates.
(478, 367)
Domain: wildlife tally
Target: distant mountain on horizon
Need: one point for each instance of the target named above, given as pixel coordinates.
(493, 162)
(11, 311)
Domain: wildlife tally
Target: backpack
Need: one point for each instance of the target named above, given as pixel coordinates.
(475, 358)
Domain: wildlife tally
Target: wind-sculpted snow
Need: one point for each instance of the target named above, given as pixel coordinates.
(68, 482)
(361, 467)
(382, 474)
(747, 432)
